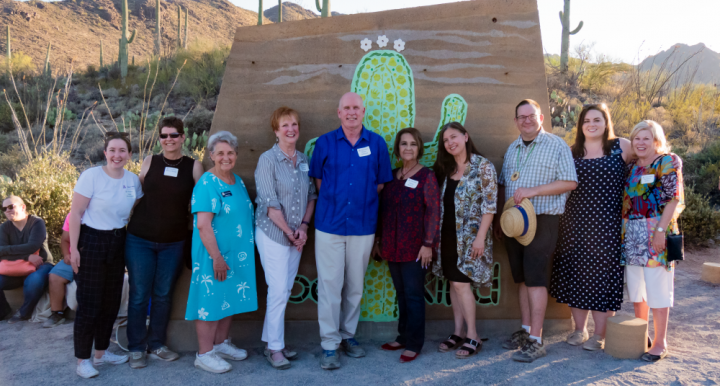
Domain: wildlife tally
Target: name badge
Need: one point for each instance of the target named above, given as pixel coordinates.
(226, 194)
(171, 172)
(130, 192)
(410, 183)
(647, 179)
(304, 167)
(364, 152)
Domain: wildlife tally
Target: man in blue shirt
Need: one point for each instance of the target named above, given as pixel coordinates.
(350, 166)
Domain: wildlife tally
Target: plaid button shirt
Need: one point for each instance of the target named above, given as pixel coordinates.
(550, 161)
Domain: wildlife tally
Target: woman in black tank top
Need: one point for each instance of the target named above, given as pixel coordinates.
(156, 237)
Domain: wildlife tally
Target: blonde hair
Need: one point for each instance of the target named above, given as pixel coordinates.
(662, 147)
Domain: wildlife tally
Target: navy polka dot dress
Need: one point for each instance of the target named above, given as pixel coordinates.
(586, 271)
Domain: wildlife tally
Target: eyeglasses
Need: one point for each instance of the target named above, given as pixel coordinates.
(523, 118)
(116, 134)
(171, 135)
(6, 208)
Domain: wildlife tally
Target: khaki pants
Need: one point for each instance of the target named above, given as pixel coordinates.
(341, 264)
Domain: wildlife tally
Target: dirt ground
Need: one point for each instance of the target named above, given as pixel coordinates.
(30, 355)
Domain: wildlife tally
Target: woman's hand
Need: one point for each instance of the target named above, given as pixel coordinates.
(220, 268)
(659, 241)
(478, 248)
(376, 254)
(425, 256)
(35, 260)
(74, 259)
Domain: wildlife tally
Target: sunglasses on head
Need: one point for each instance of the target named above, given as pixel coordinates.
(171, 135)
(6, 208)
(116, 134)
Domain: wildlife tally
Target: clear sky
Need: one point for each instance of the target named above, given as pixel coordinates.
(621, 29)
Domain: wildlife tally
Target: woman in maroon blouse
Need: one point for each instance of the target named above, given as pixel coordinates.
(407, 231)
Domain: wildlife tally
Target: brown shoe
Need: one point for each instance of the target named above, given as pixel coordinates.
(517, 340)
(531, 351)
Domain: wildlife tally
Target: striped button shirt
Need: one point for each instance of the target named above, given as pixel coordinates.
(550, 161)
(282, 186)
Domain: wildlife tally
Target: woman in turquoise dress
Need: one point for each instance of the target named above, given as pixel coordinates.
(223, 254)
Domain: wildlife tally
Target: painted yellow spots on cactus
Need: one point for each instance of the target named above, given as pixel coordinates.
(383, 60)
(365, 75)
(403, 93)
(375, 124)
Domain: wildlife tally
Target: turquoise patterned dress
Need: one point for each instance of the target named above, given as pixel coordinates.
(210, 299)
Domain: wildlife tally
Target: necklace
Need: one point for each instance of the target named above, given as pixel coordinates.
(402, 174)
(519, 167)
(287, 155)
(171, 165)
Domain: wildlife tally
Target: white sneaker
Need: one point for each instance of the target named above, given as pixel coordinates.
(212, 363)
(108, 357)
(85, 369)
(228, 350)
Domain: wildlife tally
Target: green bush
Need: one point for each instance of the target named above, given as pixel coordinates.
(700, 222)
(53, 115)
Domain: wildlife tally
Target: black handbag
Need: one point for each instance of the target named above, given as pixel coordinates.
(676, 245)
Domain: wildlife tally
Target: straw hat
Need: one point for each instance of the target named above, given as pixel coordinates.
(515, 224)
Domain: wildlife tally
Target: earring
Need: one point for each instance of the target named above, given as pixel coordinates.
(277, 139)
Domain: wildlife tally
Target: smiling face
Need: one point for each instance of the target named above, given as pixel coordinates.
(351, 111)
(288, 131)
(594, 125)
(528, 120)
(644, 144)
(409, 148)
(117, 154)
(18, 211)
(454, 141)
(170, 144)
(224, 156)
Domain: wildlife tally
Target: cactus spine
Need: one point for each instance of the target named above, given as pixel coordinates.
(325, 9)
(260, 12)
(47, 70)
(158, 31)
(185, 41)
(125, 40)
(279, 11)
(565, 21)
(101, 54)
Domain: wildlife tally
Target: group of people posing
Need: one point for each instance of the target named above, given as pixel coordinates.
(577, 222)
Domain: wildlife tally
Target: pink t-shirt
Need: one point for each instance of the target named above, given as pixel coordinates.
(66, 226)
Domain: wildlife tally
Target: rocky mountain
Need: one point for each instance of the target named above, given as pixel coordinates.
(705, 60)
(292, 11)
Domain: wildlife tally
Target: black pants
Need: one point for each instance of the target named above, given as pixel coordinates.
(532, 264)
(99, 288)
(409, 281)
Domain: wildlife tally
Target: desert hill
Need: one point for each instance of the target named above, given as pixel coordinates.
(707, 61)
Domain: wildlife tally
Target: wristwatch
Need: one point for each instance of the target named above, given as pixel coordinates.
(659, 229)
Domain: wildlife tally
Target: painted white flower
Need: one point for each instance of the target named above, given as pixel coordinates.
(366, 44)
(205, 280)
(242, 286)
(399, 45)
(382, 41)
(202, 314)
(225, 305)
(242, 256)
(214, 203)
(239, 230)
(226, 207)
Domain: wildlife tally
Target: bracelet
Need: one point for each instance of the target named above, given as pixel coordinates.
(305, 222)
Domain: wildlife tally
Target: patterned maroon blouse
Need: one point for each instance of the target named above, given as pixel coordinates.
(409, 218)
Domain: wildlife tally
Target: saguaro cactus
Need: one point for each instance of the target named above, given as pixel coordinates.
(158, 31)
(279, 11)
(125, 40)
(260, 12)
(101, 54)
(565, 21)
(179, 38)
(185, 41)
(46, 69)
(7, 44)
(325, 9)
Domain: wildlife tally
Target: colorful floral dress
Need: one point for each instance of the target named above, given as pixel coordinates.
(475, 196)
(648, 190)
(233, 223)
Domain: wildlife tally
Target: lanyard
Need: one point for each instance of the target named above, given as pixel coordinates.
(519, 167)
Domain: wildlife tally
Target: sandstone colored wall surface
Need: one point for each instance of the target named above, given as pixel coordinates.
(469, 61)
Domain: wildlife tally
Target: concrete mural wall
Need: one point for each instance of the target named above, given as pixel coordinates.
(470, 62)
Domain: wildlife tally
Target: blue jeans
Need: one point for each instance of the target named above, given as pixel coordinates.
(409, 281)
(34, 286)
(153, 269)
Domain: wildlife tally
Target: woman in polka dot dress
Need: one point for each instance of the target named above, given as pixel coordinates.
(587, 275)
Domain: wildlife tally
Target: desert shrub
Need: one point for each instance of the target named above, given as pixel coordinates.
(46, 184)
(700, 222)
(702, 170)
(20, 63)
(202, 75)
(52, 116)
(199, 121)
(11, 161)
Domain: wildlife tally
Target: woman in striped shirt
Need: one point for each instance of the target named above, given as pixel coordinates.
(286, 202)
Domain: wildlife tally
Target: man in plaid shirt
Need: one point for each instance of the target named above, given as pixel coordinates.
(537, 166)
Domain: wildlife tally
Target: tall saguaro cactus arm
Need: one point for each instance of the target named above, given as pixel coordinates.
(260, 12)
(7, 45)
(324, 9)
(179, 37)
(101, 54)
(158, 32)
(565, 21)
(46, 69)
(185, 40)
(125, 40)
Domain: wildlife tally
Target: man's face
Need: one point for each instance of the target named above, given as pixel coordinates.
(351, 111)
(14, 209)
(528, 119)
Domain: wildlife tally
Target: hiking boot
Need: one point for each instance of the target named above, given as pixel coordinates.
(531, 351)
(138, 360)
(329, 360)
(86, 370)
(55, 319)
(517, 340)
(212, 363)
(111, 358)
(576, 338)
(596, 342)
(17, 318)
(352, 348)
(228, 350)
(165, 354)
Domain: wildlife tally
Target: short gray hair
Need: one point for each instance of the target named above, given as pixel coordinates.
(222, 136)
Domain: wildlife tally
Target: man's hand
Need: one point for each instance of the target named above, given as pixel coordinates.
(522, 193)
(35, 260)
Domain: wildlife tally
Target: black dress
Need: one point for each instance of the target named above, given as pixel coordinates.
(448, 237)
(586, 271)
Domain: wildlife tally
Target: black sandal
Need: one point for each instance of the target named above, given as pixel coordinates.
(476, 346)
(449, 343)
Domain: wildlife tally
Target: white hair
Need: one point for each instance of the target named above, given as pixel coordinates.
(222, 136)
(657, 133)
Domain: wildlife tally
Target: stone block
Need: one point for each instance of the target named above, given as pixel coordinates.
(711, 273)
(626, 337)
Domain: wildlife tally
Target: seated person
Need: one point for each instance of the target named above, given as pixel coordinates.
(23, 237)
(61, 275)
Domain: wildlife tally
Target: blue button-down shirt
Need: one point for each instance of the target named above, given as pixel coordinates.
(348, 200)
